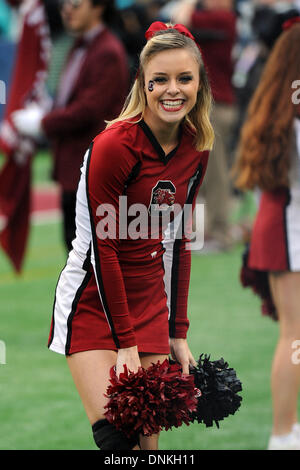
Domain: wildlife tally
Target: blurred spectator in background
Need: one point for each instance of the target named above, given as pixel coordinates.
(92, 89)
(131, 30)
(62, 42)
(268, 18)
(135, 19)
(213, 22)
(27, 88)
(265, 19)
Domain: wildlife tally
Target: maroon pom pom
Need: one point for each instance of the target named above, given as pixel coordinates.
(151, 399)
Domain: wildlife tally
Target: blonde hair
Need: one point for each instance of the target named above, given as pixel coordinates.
(198, 120)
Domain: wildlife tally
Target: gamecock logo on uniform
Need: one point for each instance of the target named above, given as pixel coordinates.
(163, 197)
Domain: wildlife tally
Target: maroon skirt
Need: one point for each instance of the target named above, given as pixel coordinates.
(274, 245)
(79, 322)
(269, 249)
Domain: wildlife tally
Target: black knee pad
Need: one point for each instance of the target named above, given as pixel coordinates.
(107, 437)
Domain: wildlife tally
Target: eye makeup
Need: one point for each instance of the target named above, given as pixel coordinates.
(159, 79)
(163, 79)
(186, 78)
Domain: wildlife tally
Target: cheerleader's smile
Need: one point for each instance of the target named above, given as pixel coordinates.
(172, 106)
(171, 86)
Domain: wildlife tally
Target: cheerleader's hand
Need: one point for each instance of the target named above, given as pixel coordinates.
(181, 353)
(130, 357)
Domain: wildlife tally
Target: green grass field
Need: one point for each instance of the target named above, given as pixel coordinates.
(40, 408)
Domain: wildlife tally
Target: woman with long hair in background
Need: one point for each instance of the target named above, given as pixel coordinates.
(269, 159)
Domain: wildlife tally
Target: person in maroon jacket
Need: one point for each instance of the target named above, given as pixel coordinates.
(92, 89)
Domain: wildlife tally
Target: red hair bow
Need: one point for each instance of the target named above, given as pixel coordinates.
(159, 26)
(289, 23)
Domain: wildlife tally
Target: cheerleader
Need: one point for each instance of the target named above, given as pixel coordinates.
(269, 159)
(122, 299)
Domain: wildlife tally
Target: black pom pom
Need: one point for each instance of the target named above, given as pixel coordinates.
(219, 386)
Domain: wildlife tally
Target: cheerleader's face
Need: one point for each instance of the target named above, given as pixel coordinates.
(171, 85)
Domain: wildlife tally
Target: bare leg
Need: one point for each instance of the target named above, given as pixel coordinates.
(150, 442)
(285, 376)
(90, 372)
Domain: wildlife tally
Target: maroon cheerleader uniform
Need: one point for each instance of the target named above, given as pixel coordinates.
(117, 289)
(275, 238)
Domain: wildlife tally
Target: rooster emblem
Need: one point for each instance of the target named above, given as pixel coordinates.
(162, 197)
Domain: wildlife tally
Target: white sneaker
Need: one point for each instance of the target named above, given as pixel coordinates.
(289, 441)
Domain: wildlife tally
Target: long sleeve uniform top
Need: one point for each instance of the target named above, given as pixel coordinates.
(126, 166)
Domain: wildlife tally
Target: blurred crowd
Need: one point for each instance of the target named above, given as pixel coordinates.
(258, 23)
(236, 37)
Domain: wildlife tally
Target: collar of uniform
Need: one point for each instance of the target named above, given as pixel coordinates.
(158, 148)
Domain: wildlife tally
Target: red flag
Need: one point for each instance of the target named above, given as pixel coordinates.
(27, 86)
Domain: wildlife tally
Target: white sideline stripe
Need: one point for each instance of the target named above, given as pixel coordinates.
(47, 216)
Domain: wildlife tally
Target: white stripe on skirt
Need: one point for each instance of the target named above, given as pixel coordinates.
(70, 280)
